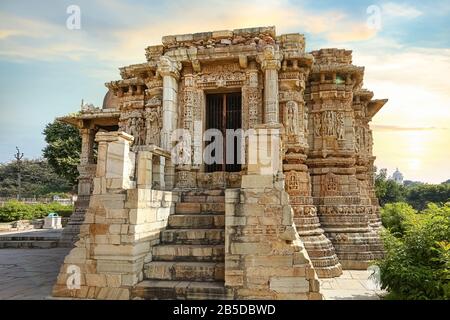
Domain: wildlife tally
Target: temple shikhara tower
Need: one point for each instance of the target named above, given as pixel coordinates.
(173, 206)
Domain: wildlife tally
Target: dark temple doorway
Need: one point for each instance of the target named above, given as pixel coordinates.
(224, 111)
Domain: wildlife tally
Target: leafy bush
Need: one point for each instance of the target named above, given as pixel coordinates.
(396, 216)
(417, 264)
(15, 210)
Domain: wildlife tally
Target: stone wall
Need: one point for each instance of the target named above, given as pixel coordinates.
(122, 223)
(264, 256)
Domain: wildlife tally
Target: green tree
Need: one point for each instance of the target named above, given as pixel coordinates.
(387, 190)
(420, 195)
(38, 179)
(63, 149)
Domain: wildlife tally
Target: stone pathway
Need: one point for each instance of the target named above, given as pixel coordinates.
(29, 274)
(351, 285)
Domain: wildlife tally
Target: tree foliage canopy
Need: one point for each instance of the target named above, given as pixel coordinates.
(63, 149)
(38, 179)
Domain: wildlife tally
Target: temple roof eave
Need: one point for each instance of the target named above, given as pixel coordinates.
(374, 106)
(102, 117)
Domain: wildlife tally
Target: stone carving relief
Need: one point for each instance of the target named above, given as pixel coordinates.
(329, 119)
(154, 125)
(340, 126)
(252, 104)
(330, 184)
(154, 101)
(329, 123)
(221, 76)
(357, 140)
(317, 124)
(132, 122)
(295, 185)
(190, 104)
(305, 123)
(369, 142)
(186, 179)
(291, 119)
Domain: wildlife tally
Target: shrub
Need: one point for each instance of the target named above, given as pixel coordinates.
(396, 217)
(416, 265)
(14, 210)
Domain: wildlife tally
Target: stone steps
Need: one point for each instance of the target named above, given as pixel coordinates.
(182, 290)
(193, 236)
(189, 261)
(187, 271)
(209, 221)
(28, 244)
(185, 252)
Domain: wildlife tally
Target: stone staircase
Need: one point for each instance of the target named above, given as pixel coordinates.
(189, 261)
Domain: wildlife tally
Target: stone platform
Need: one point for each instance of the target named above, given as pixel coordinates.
(37, 239)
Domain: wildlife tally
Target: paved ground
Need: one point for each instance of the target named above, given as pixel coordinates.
(351, 285)
(29, 273)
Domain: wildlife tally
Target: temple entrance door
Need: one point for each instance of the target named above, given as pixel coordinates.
(223, 111)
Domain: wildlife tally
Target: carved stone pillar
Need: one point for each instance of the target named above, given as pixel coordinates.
(170, 71)
(270, 63)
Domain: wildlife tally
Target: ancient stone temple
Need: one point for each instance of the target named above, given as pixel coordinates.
(176, 196)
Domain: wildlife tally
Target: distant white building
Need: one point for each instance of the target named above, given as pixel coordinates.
(397, 176)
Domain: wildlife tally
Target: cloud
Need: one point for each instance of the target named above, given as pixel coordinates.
(124, 41)
(393, 9)
(8, 33)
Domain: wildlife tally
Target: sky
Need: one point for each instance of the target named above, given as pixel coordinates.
(46, 68)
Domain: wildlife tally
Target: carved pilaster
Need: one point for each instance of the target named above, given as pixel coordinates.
(270, 61)
(87, 146)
